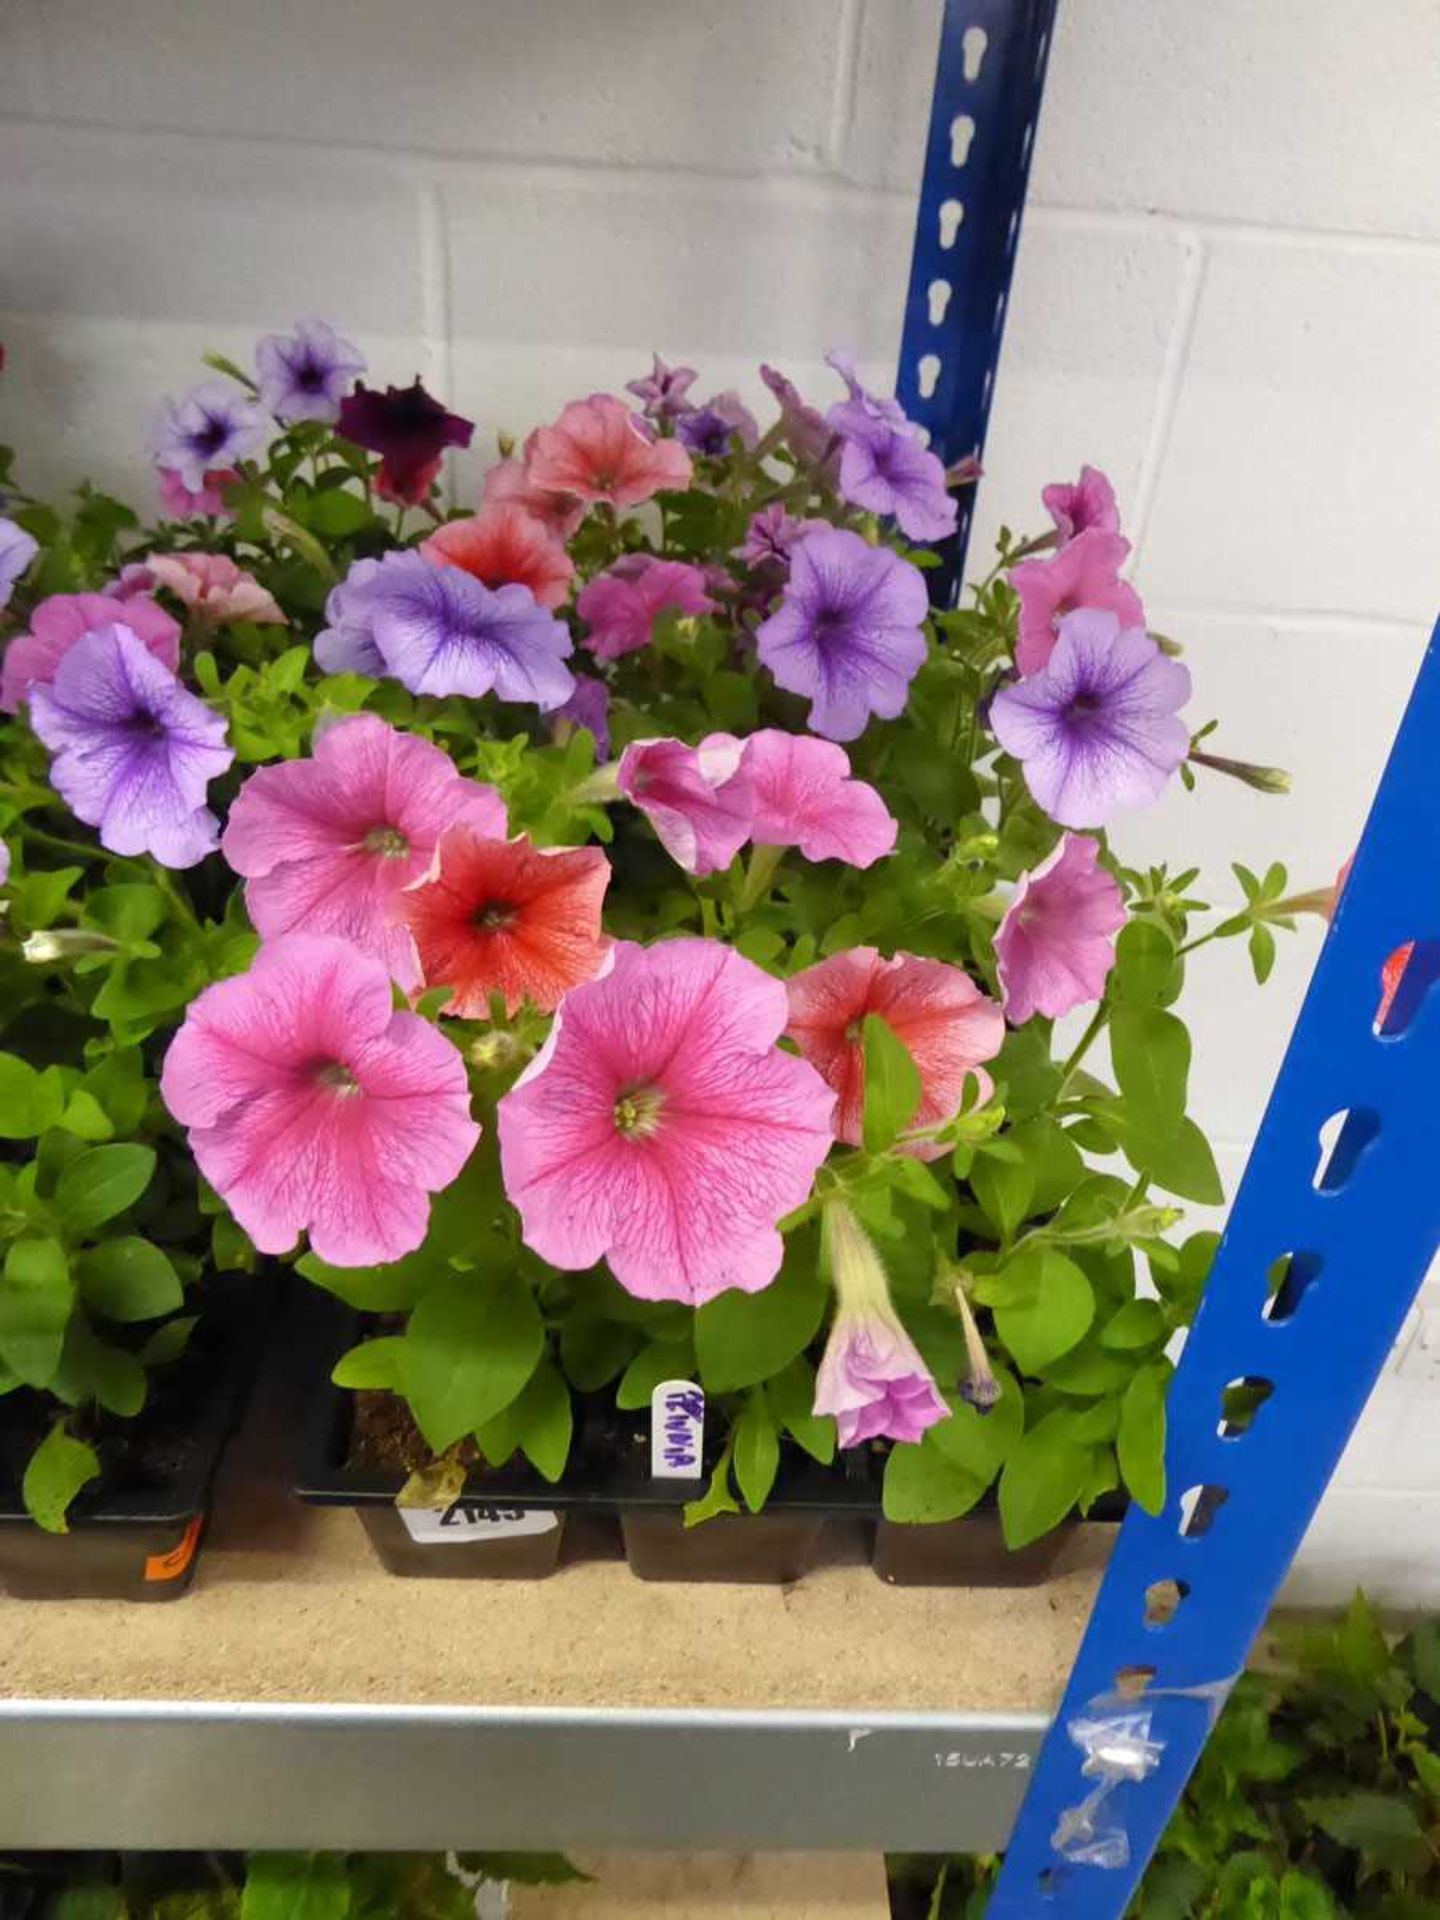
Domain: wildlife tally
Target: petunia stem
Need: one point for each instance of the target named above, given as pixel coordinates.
(1083, 1045)
(56, 843)
(758, 875)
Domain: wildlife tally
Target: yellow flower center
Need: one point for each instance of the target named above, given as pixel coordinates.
(389, 842)
(637, 1112)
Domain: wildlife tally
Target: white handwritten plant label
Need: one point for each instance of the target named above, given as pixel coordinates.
(472, 1523)
(677, 1430)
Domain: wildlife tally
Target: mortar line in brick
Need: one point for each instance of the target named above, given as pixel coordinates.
(1316, 620)
(842, 103)
(1167, 399)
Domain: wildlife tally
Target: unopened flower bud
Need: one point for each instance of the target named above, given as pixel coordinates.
(505, 445)
(65, 943)
(1262, 779)
(980, 1387)
(494, 1051)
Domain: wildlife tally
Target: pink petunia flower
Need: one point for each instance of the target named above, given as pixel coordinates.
(871, 1378)
(1056, 944)
(507, 484)
(596, 451)
(1088, 502)
(311, 1105)
(662, 1129)
(805, 797)
(215, 589)
(503, 546)
(943, 1019)
(623, 604)
(328, 844)
(31, 659)
(184, 503)
(698, 799)
(1084, 573)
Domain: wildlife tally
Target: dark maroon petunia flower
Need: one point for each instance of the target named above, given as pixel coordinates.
(409, 431)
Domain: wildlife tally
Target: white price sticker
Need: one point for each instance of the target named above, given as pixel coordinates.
(470, 1523)
(677, 1430)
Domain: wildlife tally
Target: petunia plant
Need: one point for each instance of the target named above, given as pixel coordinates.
(617, 933)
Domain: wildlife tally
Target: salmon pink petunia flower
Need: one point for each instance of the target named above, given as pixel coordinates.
(945, 1022)
(1056, 944)
(596, 451)
(1088, 502)
(622, 604)
(328, 844)
(662, 1129)
(311, 1105)
(508, 485)
(56, 624)
(698, 799)
(504, 545)
(804, 797)
(215, 590)
(503, 916)
(1084, 573)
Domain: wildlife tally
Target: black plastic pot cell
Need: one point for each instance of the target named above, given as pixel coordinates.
(971, 1552)
(771, 1548)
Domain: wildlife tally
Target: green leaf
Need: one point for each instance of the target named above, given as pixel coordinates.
(1150, 1051)
(744, 1338)
(36, 1297)
(472, 1343)
(167, 1343)
(661, 1360)
(29, 1101)
(792, 1399)
(394, 1288)
(1427, 1770)
(892, 1085)
(1004, 1189)
(1138, 1324)
(979, 1443)
(1047, 1309)
(1380, 1827)
(101, 1183)
(295, 1886)
(1262, 952)
(129, 1279)
(1145, 968)
(757, 1449)
(337, 514)
(923, 1486)
(1141, 1440)
(717, 1497)
(94, 1902)
(92, 1370)
(1181, 1162)
(374, 1363)
(1046, 1473)
(85, 1117)
(593, 1351)
(59, 1467)
(1425, 1657)
(544, 1421)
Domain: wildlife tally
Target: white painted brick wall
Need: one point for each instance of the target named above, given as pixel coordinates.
(1226, 295)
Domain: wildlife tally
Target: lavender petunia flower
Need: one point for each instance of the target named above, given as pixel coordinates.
(871, 1377)
(773, 535)
(439, 631)
(1088, 502)
(134, 750)
(848, 631)
(883, 466)
(663, 390)
(303, 375)
(1097, 728)
(804, 430)
(213, 426)
(710, 428)
(588, 706)
(17, 550)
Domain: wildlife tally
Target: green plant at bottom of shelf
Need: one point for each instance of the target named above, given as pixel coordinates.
(1317, 1796)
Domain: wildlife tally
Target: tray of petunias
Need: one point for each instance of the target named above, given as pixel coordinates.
(643, 964)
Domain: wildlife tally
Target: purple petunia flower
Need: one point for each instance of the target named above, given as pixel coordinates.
(848, 631)
(134, 750)
(303, 375)
(663, 390)
(588, 706)
(804, 428)
(1097, 727)
(409, 430)
(17, 550)
(710, 428)
(438, 630)
(213, 426)
(883, 466)
(773, 535)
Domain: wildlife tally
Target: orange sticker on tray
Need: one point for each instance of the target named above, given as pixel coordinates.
(170, 1566)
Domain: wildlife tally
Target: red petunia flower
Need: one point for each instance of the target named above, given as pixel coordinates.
(502, 546)
(503, 916)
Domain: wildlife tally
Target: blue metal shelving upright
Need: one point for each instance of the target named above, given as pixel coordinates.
(1329, 1238)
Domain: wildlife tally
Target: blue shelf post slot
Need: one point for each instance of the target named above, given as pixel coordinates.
(989, 78)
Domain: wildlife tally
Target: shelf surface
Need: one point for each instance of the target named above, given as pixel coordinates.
(715, 1886)
(300, 1695)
